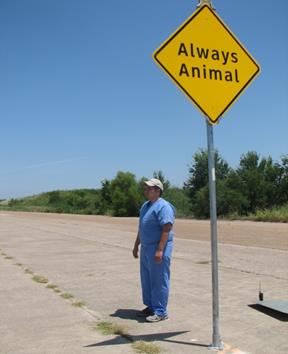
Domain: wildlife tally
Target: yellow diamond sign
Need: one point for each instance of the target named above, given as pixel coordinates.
(207, 62)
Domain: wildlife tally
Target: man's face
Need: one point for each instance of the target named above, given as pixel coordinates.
(151, 193)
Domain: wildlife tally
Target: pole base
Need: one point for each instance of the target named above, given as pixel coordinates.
(218, 347)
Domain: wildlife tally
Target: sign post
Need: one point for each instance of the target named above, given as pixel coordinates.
(216, 338)
(212, 68)
(217, 343)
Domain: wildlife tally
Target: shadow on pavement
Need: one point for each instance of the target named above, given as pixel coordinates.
(272, 313)
(128, 314)
(163, 337)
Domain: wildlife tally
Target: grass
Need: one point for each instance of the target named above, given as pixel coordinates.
(51, 286)
(79, 303)
(110, 328)
(81, 201)
(54, 288)
(277, 214)
(40, 279)
(146, 348)
(67, 296)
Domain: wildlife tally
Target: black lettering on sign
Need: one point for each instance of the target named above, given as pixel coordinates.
(215, 74)
(215, 55)
(228, 76)
(196, 70)
(207, 53)
(202, 53)
(182, 50)
(225, 57)
(209, 73)
(235, 58)
(183, 70)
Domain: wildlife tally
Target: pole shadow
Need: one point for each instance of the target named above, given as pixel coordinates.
(160, 337)
(131, 314)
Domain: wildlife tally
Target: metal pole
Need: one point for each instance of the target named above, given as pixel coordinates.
(217, 343)
(216, 339)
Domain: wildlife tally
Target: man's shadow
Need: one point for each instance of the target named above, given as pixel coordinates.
(129, 314)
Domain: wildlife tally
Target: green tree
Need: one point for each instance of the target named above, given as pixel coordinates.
(179, 199)
(198, 171)
(105, 197)
(283, 181)
(54, 197)
(196, 186)
(77, 200)
(160, 175)
(125, 195)
(260, 181)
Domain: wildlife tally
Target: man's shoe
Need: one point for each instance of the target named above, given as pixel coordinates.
(146, 312)
(156, 318)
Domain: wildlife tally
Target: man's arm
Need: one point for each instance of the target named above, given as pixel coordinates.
(162, 243)
(136, 246)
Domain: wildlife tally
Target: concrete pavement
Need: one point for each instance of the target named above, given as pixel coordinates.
(92, 260)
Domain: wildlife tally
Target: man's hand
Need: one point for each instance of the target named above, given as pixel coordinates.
(136, 246)
(158, 256)
(135, 251)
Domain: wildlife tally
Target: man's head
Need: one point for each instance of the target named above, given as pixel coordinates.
(153, 189)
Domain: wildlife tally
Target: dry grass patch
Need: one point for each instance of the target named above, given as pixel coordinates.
(67, 296)
(146, 348)
(54, 288)
(51, 286)
(79, 303)
(40, 279)
(109, 328)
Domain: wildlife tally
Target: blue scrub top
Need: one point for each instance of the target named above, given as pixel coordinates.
(152, 218)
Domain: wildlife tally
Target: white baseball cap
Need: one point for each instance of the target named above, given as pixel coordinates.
(154, 182)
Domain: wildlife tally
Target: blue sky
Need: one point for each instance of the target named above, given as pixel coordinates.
(81, 97)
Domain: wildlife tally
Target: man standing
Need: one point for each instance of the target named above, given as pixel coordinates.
(156, 238)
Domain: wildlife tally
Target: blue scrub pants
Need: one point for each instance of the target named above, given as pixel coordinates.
(155, 278)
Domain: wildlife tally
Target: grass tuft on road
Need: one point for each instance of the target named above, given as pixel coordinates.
(146, 348)
(110, 328)
(67, 296)
(51, 286)
(79, 303)
(40, 279)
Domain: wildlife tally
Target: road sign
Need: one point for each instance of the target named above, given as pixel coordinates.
(207, 62)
